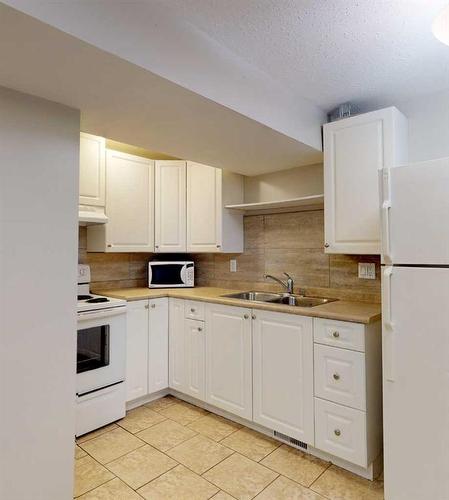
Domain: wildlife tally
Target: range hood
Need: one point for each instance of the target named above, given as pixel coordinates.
(88, 215)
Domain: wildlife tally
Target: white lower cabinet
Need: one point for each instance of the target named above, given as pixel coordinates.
(340, 376)
(158, 345)
(146, 347)
(283, 374)
(176, 339)
(137, 350)
(348, 395)
(314, 380)
(195, 361)
(341, 431)
(228, 359)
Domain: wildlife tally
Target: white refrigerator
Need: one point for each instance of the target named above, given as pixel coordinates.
(415, 316)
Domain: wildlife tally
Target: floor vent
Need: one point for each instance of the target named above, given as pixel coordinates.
(290, 440)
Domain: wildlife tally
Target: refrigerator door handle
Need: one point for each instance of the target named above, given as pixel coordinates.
(388, 326)
(385, 214)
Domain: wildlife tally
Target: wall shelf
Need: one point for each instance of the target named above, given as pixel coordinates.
(296, 204)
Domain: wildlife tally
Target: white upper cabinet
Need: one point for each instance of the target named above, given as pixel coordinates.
(204, 208)
(129, 206)
(355, 149)
(170, 206)
(189, 208)
(229, 359)
(92, 170)
(283, 374)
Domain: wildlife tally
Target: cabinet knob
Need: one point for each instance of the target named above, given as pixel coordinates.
(218, 246)
(200, 329)
(337, 432)
(153, 306)
(336, 376)
(109, 245)
(246, 316)
(146, 307)
(336, 334)
(326, 245)
(192, 310)
(253, 316)
(156, 246)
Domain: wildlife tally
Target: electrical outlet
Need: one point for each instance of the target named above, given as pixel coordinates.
(233, 265)
(367, 271)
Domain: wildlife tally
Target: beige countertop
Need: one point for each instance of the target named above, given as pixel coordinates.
(358, 312)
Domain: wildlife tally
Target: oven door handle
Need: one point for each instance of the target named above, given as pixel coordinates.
(103, 313)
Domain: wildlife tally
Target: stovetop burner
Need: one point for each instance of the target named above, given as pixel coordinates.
(84, 297)
(97, 300)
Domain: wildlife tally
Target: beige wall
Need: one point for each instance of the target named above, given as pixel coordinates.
(292, 183)
(39, 160)
(291, 242)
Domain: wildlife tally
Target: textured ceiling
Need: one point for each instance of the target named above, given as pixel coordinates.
(373, 52)
(281, 63)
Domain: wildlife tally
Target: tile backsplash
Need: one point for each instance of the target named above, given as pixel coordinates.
(294, 243)
(291, 242)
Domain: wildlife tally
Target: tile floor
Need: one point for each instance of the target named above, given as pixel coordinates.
(169, 449)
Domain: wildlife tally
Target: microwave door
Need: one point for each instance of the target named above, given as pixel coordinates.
(166, 275)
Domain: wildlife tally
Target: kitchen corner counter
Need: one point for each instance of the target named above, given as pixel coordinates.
(343, 310)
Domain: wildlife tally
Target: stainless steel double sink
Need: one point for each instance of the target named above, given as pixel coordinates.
(280, 298)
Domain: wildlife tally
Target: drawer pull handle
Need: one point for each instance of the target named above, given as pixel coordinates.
(337, 432)
(246, 316)
(336, 376)
(336, 335)
(146, 307)
(192, 310)
(200, 329)
(253, 316)
(153, 306)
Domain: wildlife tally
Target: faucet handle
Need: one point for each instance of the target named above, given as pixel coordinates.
(288, 276)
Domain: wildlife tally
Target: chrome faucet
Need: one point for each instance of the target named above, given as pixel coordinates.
(288, 284)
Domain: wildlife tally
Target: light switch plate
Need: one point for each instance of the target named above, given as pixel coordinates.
(367, 270)
(233, 265)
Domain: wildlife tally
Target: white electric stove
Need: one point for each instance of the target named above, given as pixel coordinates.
(101, 357)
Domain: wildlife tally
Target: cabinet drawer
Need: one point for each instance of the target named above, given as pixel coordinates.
(340, 376)
(194, 310)
(339, 334)
(341, 431)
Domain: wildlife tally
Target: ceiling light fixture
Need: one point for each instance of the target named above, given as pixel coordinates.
(440, 26)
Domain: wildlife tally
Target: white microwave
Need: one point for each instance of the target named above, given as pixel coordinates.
(170, 274)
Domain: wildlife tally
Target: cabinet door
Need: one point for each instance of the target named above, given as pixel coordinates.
(355, 149)
(129, 203)
(283, 374)
(204, 208)
(177, 377)
(194, 337)
(92, 170)
(228, 359)
(137, 350)
(170, 206)
(158, 345)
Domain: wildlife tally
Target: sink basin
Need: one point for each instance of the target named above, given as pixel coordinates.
(280, 298)
(255, 296)
(301, 301)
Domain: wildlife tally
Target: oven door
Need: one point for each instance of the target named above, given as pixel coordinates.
(101, 349)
